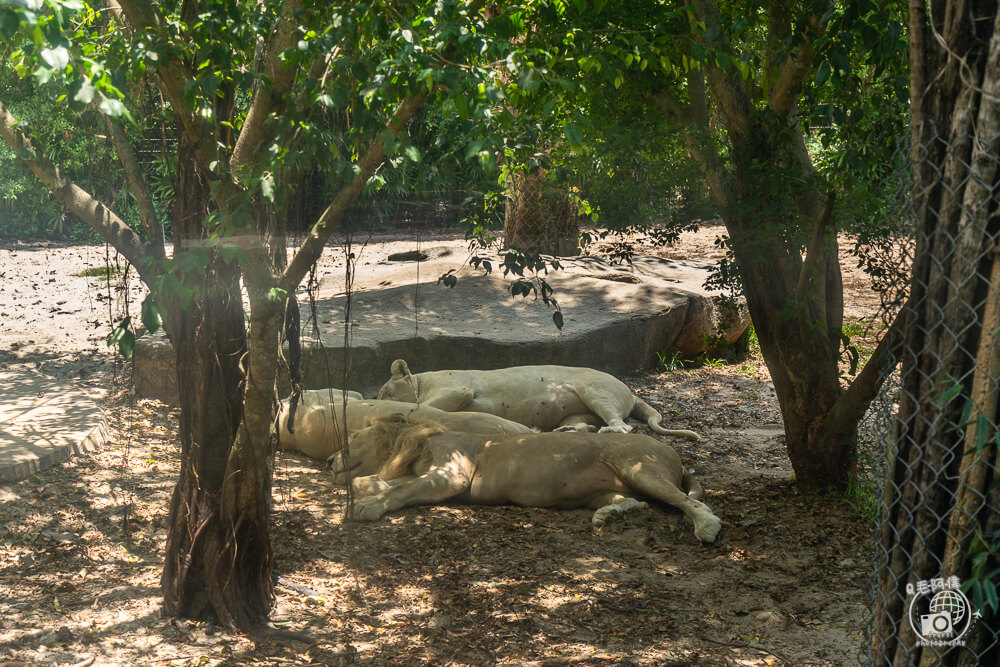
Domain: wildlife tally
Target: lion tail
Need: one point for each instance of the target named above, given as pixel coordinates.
(645, 412)
(691, 486)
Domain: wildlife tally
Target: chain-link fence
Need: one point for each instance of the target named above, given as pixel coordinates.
(540, 215)
(937, 542)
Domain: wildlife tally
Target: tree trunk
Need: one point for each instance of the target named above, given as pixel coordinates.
(796, 305)
(943, 488)
(201, 577)
(539, 216)
(773, 207)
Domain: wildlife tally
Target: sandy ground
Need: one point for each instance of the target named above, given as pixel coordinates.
(81, 544)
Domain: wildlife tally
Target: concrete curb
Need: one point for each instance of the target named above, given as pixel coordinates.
(42, 423)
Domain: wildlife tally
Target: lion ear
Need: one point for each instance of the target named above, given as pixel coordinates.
(399, 369)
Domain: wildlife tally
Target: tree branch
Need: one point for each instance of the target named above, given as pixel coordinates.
(699, 101)
(671, 106)
(133, 173)
(728, 88)
(276, 84)
(80, 202)
(327, 223)
(794, 70)
(171, 80)
(816, 252)
(851, 405)
(698, 142)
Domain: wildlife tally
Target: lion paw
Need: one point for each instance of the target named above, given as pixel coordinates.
(368, 486)
(617, 427)
(369, 509)
(708, 528)
(603, 514)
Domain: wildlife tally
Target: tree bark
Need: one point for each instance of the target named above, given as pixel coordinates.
(943, 485)
(198, 580)
(773, 207)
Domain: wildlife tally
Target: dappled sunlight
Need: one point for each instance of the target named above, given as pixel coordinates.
(81, 549)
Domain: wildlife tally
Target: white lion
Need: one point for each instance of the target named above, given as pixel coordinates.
(563, 398)
(317, 435)
(419, 465)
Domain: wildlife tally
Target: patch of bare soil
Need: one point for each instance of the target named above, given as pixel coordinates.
(81, 547)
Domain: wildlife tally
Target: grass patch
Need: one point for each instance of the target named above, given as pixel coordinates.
(105, 272)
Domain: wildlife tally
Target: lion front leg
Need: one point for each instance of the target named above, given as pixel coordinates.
(579, 424)
(612, 507)
(371, 485)
(452, 400)
(430, 488)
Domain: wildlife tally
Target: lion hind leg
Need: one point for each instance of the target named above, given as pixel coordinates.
(659, 486)
(613, 507)
(610, 411)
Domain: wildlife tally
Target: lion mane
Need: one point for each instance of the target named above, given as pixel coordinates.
(402, 445)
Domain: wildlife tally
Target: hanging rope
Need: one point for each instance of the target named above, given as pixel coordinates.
(293, 337)
(349, 266)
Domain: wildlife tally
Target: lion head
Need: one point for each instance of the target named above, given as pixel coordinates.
(387, 447)
(402, 386)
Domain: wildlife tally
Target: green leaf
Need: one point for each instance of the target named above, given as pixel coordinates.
(573, 132)
(152, 319)
(56, 58)
(267, 187)
(276, 295)
(413, 153)
(123, 337)
(86, 93)
(113, 108)
(43, 75)
(823, 73)
(557, 319)
(529, 80)
(473, 148)
(951, 393)
(127, 344)
(230, 253)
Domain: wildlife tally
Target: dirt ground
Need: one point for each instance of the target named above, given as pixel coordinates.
(81, 544)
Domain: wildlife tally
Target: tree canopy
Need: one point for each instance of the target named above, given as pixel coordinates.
(778, 106)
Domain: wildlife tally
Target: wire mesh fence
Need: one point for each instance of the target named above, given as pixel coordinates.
(937, 540)
(540, 215)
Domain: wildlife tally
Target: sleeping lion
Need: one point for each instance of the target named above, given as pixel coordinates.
(548, 398)
(412, 464)
(316, 433)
